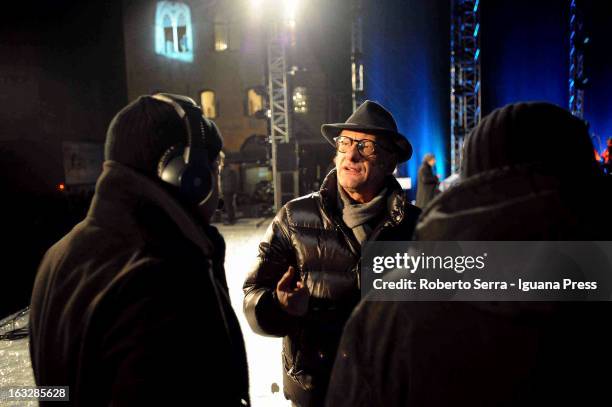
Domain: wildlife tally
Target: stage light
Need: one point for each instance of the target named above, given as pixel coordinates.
(256, 7)
(290, 10)
(286, 10)
(61, 187)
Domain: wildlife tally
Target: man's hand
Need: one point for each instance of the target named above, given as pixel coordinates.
(293, 300)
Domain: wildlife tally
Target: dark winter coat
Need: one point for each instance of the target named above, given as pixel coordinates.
(131, 307)
(427, 183)
(229, 181)
(308, 233)
(486, 354)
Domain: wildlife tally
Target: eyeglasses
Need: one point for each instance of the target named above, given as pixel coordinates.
(365, 147)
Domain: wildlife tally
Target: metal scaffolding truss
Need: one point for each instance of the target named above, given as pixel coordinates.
(465, 95)
(577, 78)
(277, 86)
(280, 115)
(357, 54)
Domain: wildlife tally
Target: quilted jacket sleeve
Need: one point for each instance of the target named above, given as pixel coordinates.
(276, 254)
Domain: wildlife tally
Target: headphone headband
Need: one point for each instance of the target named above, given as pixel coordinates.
(192, 129)
(165, 97)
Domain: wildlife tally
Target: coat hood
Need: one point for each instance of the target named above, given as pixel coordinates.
(121, 189)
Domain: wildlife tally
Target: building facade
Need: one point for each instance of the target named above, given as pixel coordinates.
(215, 52)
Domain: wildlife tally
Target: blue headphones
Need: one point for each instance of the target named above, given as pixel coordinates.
(187, 167)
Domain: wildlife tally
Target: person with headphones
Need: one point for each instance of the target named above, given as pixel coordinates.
(131, 307)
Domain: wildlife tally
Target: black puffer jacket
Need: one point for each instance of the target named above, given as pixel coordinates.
(308, 233)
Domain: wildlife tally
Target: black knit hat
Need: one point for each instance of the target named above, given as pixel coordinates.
(529, 133)
(142, 131)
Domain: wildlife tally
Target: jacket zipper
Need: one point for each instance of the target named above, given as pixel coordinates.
(353, 244)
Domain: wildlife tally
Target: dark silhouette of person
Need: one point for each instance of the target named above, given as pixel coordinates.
(427, 181)
(229, 189)
(494, 353)
(118, 300)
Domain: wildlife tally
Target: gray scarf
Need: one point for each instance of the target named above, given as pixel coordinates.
(356, 215)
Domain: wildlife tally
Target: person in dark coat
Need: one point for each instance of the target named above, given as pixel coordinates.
(229, 188)
(305, 282)
(131, 307)
(427, 182)
(502, 353)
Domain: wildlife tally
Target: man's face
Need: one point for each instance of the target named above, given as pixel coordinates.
(362, 174)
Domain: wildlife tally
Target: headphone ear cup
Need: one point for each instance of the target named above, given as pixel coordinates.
(197, 183)
(172, 165)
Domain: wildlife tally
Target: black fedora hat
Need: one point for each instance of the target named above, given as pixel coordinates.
(371, 118)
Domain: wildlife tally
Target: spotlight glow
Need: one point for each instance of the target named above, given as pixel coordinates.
(256, 7)
(290, 9)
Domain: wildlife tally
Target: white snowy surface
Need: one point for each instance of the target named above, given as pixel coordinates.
(15, 366)
(263, 353)
(265, 369)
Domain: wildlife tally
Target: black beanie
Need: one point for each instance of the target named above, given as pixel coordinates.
(526, 133)
(142, 131)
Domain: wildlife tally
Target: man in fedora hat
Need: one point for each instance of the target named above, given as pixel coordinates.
(305, 282)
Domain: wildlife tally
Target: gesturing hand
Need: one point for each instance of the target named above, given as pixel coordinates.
(293, 300)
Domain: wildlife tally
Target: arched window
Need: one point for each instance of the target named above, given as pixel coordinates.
(300, 100)
(208, 102)
(173, 36)
(255, 102)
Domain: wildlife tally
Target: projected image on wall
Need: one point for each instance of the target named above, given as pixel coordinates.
(173, 34)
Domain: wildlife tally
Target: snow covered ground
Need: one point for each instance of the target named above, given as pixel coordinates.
(15, 366)
(264, 353)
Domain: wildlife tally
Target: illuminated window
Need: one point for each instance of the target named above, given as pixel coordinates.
(221, 36)
(208, 103)
(227, 34)
(300, 100)
(255, 102)
(173, 36)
